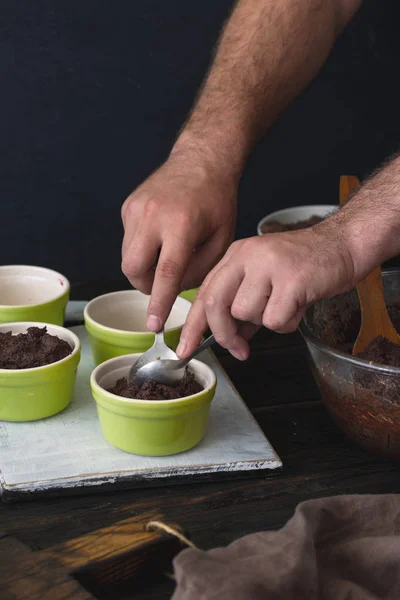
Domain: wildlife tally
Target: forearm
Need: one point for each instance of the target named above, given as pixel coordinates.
(267, 54)
(369, 225)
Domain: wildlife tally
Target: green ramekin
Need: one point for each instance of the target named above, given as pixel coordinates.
(34, 294)
(116, 324)
(189, 294)
(148, 427)
(32, 394)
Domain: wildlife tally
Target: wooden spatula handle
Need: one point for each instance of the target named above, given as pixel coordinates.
(348, 183)
(375, 320)
(373, 304)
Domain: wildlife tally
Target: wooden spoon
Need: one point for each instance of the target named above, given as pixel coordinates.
(375, 320)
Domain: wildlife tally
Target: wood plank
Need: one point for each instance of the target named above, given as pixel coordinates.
(28, 575)
(316, 457)
(123, 554)
(218, 516)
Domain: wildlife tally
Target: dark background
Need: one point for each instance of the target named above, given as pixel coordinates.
(93, 92)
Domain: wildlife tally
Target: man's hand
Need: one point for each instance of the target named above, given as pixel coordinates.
(182, 216)
(268, 52)
(186, 210)
(269, 281)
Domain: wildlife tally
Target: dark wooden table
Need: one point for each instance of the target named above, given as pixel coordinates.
(277, 385)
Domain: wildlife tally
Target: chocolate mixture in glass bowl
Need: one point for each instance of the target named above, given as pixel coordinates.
(277, 227)
(362, 397)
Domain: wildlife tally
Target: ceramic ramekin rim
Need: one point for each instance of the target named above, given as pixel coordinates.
(65, 292)
(124, 332)
(137, 402)
(76, 350)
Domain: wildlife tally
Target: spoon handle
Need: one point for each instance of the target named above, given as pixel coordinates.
(159, 338)
(179, 364)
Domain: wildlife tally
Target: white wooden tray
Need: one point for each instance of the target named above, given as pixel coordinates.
(67, 453)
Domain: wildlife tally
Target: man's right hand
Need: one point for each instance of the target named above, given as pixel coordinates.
(177, 224)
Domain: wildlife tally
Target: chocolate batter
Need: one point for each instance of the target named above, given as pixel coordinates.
(382, 351)
(156, 391)
(35, 348)
(365, 403)
(276, 227)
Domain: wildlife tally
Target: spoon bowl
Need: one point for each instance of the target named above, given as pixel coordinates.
(160, 364)
(166, 371)
(158, 351)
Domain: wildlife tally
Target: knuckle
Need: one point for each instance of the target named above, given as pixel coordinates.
(209, 300)
(247, 244)
(156, 307)
(130, 268)
(152, 207)
(130, 204)
(272, 254)
(170, 269)
(236, 244)
(241, 312)
(191, 332)
(222, 339)
(124, 209)
(188, 327)
(272, 322)
(200, 293)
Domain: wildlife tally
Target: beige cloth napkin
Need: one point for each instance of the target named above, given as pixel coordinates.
(339, 548)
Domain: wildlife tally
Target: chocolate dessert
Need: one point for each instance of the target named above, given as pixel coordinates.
(35, 348)
(151, 390)
(277, 227)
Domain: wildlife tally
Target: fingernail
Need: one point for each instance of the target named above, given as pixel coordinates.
(181, 347)
(153, 323)
(239, 354)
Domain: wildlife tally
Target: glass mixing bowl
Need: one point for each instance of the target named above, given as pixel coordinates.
(362, 397)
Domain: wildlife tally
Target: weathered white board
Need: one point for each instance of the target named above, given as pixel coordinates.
(67, 453)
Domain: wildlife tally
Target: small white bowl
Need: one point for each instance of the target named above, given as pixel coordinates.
(297, 213)
(116, 324)
(31, 293)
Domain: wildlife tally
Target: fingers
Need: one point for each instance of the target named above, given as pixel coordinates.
(213, 306)
(139, 255)
(251, 299)
(283, 311)
(203, 259)
(175, 256)
(155, 256)
(195, 326)
(240, 289)
(196, 322)
(217, 301)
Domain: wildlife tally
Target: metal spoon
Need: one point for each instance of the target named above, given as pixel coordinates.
(160, 364)
(157, 351)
